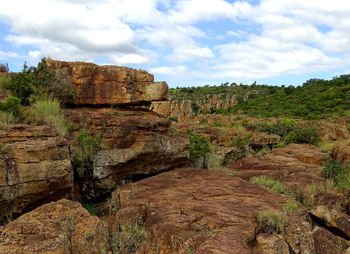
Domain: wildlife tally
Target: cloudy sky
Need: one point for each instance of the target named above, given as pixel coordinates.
(185, 42)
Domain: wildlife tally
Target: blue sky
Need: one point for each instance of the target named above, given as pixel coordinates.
(185, 42)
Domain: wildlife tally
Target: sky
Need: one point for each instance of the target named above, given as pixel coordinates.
(185, 42)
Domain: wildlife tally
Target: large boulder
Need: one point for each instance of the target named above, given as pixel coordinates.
(59, 227)
(34, 169)
(134, 143)
(200, 211)
(87, 83)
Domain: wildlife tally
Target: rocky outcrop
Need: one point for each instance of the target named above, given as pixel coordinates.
(179, 110)
(134, 143)
(58, 227)
(34, 169)
(200, 211)
(87, 83)
(298, 167)
(185, 110)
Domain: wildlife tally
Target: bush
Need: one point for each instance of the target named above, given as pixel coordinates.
(31, 82)
(303, 134)
(7, 119)
(90, 208)
(332, 169)
(199, 145)
(271, 222)
(274, 185)
(173, 119)
(48, 111)
(11, 105)
(84, 154)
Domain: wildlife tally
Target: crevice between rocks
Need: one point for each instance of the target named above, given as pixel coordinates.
(335, 231)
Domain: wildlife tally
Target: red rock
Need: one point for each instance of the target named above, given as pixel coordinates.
(86, 83)
(200, 211)
(58, 227)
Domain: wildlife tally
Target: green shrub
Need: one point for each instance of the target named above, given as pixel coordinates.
(4, 81)
(348, 127)
(303, 134)
(11, 105)
(332, 169)
(173, 119)
(290, 207)
(199, 145)
(7, 119)
(31, 82)
(274, 185)
(48, 111)
(84, 154)
(271, 222)
(343, 181)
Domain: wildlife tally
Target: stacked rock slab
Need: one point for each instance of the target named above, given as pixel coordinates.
(34, 169)
(83, 83)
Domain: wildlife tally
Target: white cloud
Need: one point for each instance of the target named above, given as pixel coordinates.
(128, 59)
(173, 71)
(264, 40)
(10, 54)
(34, 54)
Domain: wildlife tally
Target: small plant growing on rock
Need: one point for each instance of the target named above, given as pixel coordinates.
(84, 155)
(6, 120)
(271, 222)
(173, 119)
(128, 239)
(48, 111)
(290, 207)
(274, 185)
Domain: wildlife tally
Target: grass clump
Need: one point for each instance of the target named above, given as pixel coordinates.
(48, 111)
(271, 222)
(90, 208)
(290, 207)
(7, 119)
(11, 105)
(128, 239)
(337, 173)
(274, 185)
(85, 153)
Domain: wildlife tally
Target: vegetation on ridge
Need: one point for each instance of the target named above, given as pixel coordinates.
(315, 99)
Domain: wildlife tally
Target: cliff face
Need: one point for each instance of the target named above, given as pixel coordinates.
(185, 110)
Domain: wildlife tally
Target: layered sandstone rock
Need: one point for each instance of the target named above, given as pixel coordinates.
(58, 227)
(86, 83)
(134, 143)
(34, 169)
(200, 211)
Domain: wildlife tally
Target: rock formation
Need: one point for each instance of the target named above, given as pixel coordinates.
(57, 227)
(134, 143)
(89, 84)
(35, 168)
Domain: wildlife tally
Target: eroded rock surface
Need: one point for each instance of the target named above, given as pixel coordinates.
(296, 165)
(59, 227)
(87, 83)
(34, 169)
(133, 143)
(200, 211)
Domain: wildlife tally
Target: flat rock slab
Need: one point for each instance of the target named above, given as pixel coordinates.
(200, 211)
(83, 83)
